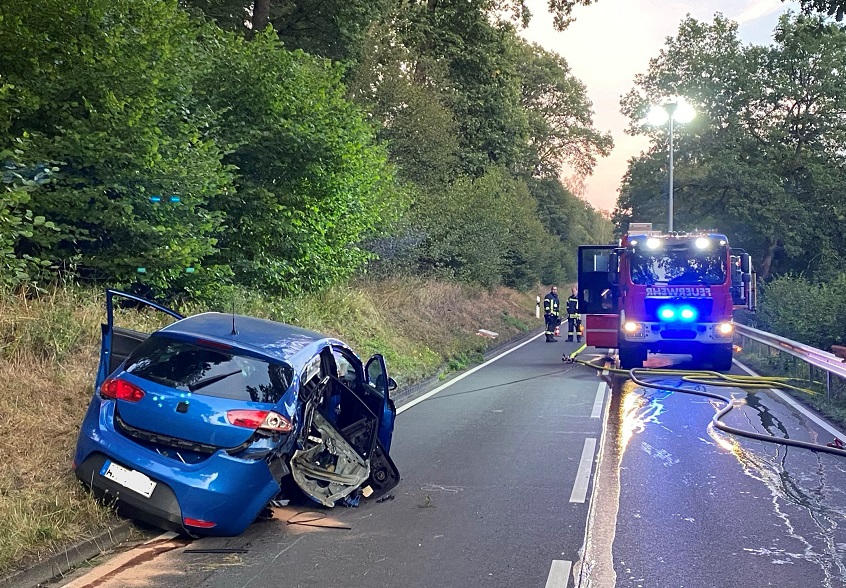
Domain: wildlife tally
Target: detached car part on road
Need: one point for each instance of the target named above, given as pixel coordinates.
(193, 427)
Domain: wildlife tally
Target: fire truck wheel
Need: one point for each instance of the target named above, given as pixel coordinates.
(631, 357)
(721, 358)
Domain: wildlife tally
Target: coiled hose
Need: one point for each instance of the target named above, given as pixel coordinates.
(710, 378)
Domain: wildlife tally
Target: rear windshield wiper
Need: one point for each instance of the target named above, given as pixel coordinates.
(210, 380)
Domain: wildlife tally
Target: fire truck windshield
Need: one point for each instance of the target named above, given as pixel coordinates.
(678, 264)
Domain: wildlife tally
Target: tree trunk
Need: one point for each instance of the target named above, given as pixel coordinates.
(261, 15)
(767, 261)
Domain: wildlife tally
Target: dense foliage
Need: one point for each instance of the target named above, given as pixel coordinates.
(811, 312)
(183, 145)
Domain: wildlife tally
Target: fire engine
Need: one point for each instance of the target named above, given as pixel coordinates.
(664, 293)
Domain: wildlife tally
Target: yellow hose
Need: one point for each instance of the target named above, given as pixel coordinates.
(711, 378)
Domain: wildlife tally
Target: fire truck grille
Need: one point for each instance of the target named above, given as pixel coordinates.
(678, 334)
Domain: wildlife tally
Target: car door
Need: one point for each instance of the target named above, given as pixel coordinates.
(341, 447)
(379, 381)
(384, 474)
(116, 343)
(598, 288)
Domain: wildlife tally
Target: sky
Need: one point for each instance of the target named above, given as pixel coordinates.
(612, 40)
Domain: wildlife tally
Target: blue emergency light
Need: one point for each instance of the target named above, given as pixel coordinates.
(684, 314)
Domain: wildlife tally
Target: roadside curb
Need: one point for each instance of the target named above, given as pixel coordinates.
(68, 558)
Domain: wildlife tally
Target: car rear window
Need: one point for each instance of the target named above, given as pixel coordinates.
(210, 372)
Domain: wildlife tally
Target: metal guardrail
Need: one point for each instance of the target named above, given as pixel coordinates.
(823, 360)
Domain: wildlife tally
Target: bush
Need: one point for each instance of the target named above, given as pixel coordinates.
(811, 313)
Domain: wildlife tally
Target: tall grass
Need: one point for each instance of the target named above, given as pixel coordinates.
(49, 347)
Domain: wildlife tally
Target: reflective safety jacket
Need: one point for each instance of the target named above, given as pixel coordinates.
(573, 307)
(551, 304)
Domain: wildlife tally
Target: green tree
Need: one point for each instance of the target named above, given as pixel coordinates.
(329, 28)
(310, 184)
(17, 222)
(412, 119)
(105, 88)
(764, 146)
(834, 8)
(560, 116)
(479, 58)
(477, 229)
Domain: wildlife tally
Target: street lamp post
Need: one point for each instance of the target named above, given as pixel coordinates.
(675, 109)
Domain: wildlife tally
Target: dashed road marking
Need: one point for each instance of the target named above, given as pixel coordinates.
(580, 488)
(599, 400)
(559, 574)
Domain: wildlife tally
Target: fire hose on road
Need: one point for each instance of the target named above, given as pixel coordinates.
(710, 378)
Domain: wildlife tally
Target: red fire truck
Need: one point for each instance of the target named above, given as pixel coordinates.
(665, 293)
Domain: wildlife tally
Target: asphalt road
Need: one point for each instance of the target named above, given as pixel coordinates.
(696, 508)
(495, 492)
(505, 469)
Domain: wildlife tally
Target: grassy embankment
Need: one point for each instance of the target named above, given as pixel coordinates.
(49, 349)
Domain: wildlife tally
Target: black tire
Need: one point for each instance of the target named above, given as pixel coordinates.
(721, 358)
(631, 357)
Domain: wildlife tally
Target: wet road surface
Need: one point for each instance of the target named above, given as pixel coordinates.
(695, 507)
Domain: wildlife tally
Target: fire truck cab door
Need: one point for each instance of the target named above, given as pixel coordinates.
(598, 294)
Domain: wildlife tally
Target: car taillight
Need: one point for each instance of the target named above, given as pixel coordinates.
(260, 419)
(118, 389)
(198, 523)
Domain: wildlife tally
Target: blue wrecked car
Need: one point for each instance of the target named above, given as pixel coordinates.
(193, 427)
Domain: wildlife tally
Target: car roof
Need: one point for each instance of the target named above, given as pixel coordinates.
(278, 341)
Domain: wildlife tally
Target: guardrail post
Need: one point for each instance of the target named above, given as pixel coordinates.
(537, 306)
(828, 385)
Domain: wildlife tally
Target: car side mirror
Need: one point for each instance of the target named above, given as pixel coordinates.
(392, 384)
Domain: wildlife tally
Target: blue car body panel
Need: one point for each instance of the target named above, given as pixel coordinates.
(206, 491)
(205, 420)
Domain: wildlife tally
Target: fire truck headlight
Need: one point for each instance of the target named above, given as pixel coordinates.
(702, 243)
(725, 328)
(653, 243)
(631, 327)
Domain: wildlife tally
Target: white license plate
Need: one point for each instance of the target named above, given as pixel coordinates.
(135, 481)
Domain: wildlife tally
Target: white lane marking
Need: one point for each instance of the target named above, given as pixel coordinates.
(428, 395)
(579, 493)
(796, 405)
(599, 400)
(559, 574)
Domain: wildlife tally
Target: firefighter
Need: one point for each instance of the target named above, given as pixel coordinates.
(574, 321)
(551, 314)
